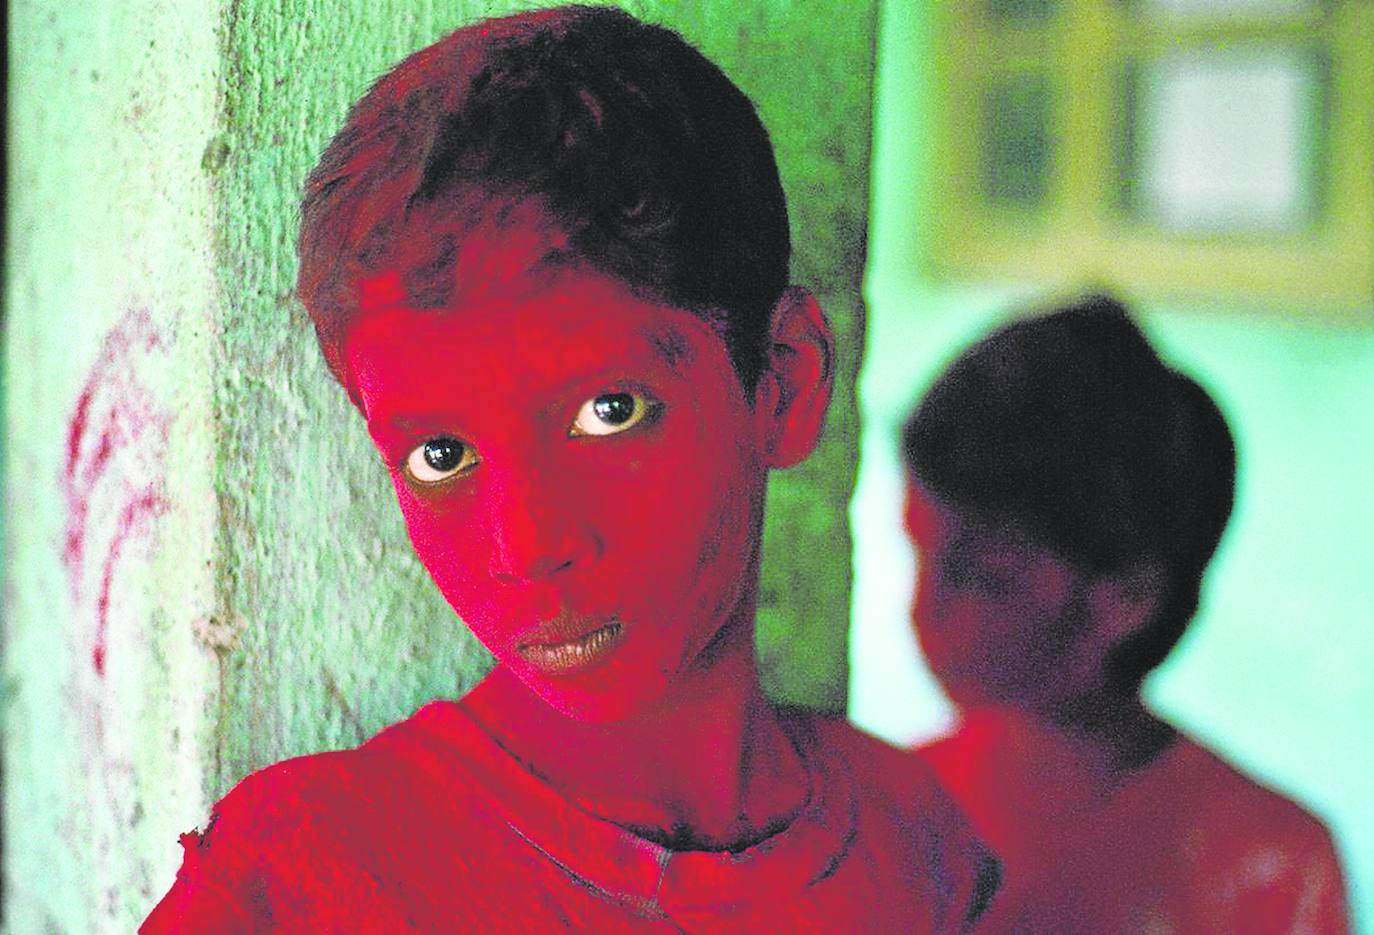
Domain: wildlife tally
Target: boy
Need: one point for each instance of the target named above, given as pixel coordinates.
(547, 259)
(1066, 491)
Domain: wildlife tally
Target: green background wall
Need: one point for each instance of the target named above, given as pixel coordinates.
(242, 589)
(1274, 673)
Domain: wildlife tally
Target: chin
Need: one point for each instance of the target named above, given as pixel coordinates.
(964, 696)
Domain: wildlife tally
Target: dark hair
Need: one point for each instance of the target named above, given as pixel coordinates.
(1070, 424)
(639, 155)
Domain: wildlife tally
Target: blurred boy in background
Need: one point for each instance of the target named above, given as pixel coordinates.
(1066, 491)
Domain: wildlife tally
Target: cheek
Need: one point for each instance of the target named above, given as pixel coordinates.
(681, 507)
(451, 557)
(940, 625)
(962, 631)
(725, 555)
(936, 608)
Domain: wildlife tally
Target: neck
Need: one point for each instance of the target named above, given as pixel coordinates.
(1116, 728)
(709, 767)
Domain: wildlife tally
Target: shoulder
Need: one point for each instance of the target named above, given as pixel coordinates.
(322, 806)
(381, 775)
(289, 838)
(1228, 810)
(1266, 860)
(289, 793)
(889, 774)
(1222, 795)
(261, 840)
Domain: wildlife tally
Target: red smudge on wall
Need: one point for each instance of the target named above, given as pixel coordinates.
(113, 475)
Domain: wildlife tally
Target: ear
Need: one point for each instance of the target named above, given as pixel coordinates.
(793, 391)
(1124, 603)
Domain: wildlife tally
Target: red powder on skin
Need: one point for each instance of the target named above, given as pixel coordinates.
(651, 529)
(1175, 842)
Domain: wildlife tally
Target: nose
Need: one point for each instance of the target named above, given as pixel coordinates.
(537, 530)
(926, 595)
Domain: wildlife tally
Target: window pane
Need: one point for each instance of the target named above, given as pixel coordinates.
(1226, 139)
(1016, 159)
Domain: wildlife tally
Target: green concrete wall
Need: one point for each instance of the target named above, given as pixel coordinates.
(205, 571)
(1274, 673)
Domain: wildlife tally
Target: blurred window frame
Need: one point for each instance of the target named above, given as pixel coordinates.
(1063, 215)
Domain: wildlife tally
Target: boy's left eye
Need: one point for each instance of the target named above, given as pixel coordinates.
(610, 413)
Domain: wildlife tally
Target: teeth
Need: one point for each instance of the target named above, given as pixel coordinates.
(574, 652)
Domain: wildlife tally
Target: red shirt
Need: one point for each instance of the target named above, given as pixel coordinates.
(432, 827)
(1184, 844)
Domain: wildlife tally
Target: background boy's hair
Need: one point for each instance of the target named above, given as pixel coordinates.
(1071, 425)
(640, 156)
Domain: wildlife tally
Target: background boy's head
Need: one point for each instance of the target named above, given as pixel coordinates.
(1068, 429)
(577, 135)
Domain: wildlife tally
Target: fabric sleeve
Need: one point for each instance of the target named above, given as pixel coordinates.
(217, 889)
(270, 855)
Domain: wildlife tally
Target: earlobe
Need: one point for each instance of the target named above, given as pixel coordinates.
(794, 390)
(1126, 602)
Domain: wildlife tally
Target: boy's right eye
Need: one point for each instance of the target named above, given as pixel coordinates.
(439, 459)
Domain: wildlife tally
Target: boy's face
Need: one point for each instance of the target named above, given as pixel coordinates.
(1001, 619)
(582, 475)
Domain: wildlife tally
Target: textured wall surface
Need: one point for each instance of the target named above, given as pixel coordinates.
(205, 569)
(109, 509)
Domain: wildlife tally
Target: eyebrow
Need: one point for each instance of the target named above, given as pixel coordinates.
(671, 345)
(413, 422)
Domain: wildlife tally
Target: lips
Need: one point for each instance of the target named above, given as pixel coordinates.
(566, 644)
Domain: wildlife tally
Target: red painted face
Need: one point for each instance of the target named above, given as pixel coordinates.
(1000, 618)
(582, 475)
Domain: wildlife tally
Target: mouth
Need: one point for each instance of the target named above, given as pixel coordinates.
(562, 656)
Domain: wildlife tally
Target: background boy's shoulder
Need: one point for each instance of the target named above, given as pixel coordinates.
(1228, 811)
